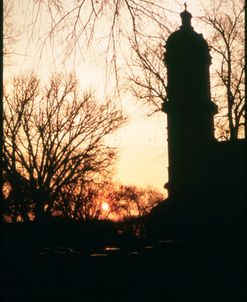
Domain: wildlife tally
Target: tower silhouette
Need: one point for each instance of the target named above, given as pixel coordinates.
(199, 165)
(207, 187)
(189, 109)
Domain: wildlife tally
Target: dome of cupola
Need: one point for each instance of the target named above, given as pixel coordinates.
(186, 44)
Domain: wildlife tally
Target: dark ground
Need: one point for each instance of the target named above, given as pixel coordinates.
(170, 271)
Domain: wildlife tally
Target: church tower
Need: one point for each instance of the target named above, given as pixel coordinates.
(189, 110)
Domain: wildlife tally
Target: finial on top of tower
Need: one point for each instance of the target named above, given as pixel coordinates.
(186, 18)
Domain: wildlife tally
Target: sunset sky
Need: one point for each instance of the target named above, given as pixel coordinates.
(142, 142)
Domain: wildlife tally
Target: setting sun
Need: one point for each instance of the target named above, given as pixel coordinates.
(105, 206)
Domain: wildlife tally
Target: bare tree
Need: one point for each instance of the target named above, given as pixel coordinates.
(53, 137)
(133, 203)
(84, 18)
(225, 20)
(146, 75)
(10, 32)
(83, 200)
(111, 27)
(8, 29)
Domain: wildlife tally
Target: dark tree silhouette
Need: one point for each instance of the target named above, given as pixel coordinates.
(225, 19)
(53, 137)
(133, 204)
(82, 200)
(146, 75)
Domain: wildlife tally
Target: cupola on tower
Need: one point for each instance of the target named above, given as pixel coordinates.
(189, 109)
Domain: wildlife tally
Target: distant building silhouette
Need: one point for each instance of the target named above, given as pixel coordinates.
(199, 165)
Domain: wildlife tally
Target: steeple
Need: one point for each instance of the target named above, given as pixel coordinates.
(186, 19)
